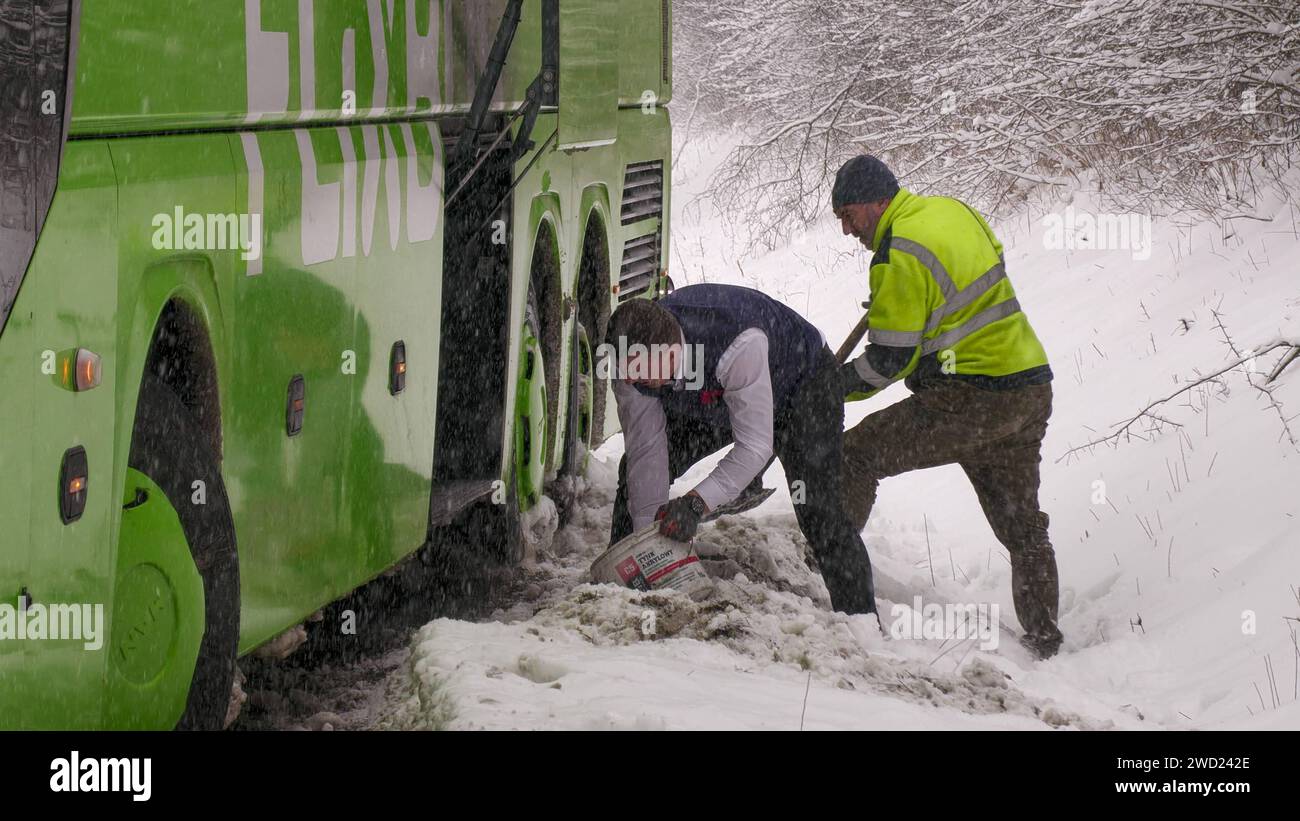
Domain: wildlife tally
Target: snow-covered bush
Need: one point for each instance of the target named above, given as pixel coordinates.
(1173, 105)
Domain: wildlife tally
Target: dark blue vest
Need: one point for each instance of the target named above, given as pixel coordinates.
(711, 317)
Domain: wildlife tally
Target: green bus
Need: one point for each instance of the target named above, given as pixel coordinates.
(288, 288)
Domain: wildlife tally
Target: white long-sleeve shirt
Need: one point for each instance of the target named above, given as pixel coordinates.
(747, 391)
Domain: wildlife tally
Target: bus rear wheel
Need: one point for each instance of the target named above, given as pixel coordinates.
(531, 411)
(584, 395)
(175, 483)
(579, 432)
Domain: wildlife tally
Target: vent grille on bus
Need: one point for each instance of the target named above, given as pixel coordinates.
(643, 191)
(640, 265)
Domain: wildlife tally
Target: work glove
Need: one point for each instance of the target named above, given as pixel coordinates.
(851, 381)
(680, 518)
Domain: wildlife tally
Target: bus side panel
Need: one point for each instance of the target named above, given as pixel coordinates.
(294, 318)
(68, 301)
(154, 64)
(589, 69)
(645, 52)
(351, 265)
(398, 297)
(244, 62)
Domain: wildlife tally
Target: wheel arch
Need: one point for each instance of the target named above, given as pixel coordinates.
(178, 339)
(179, 326)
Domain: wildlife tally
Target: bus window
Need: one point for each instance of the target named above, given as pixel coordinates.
(33, 86)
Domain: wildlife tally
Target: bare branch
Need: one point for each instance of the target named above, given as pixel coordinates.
(1123, 428)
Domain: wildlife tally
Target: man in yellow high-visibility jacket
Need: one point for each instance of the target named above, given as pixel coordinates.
(945, 318)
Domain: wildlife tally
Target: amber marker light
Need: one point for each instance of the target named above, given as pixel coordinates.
(72, 484)
(87, 369)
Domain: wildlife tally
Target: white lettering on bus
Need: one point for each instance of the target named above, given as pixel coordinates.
(421, 58)
(329, 209)
(268, 71)
(328, 216)
(267, 65)
(256, 192)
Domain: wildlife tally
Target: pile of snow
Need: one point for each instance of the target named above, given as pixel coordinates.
(576, 655)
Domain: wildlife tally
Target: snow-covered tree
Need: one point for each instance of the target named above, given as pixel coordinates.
(1172, 105)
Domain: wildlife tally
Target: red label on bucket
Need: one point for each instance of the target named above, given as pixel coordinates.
(654, 577)
(627, 569)
(630, 572)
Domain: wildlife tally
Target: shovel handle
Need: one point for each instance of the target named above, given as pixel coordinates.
(854, 337)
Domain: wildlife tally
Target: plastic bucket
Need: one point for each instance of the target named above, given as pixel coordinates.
(649, 561)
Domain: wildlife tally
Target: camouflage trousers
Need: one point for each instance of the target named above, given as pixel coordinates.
(996, 437)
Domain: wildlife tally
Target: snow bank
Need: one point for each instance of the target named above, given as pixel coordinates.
(584, 656)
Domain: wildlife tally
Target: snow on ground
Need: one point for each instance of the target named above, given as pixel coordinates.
(1179, 549)
(573, 655)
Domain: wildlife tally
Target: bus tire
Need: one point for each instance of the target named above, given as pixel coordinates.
(530, 424)
(578, 433)
(169, 447)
